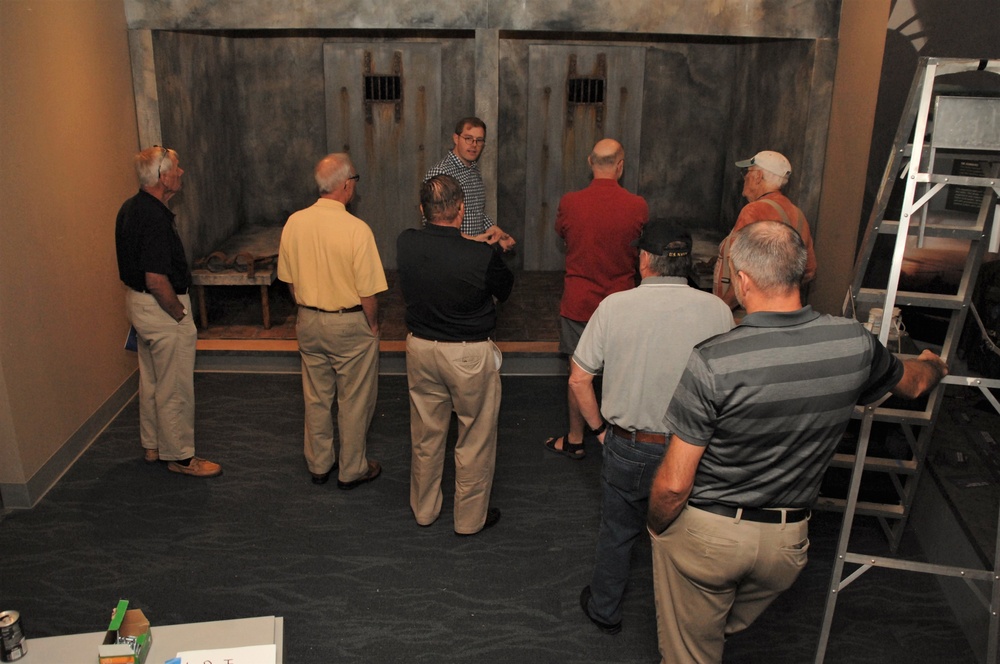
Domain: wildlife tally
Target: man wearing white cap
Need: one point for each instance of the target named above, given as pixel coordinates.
(764, 175)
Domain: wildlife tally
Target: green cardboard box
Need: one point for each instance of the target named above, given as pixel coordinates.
(130, 623)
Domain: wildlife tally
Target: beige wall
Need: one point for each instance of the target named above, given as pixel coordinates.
(855, 91)
(67, 133)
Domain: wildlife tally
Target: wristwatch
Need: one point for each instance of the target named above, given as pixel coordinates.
(599, 430)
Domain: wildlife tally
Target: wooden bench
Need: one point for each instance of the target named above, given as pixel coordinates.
(256, 241)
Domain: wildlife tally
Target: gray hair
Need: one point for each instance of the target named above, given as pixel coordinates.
(151, 163)
(771, 253)
(332, 171)
(772, 180)
(669, 266)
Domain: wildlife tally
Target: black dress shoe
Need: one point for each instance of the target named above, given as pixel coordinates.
(492, 516)
(607, 628)
(374, 470)
(321, 479)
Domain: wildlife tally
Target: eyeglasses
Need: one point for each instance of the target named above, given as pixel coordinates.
(472, 140)
(165, 155)
(355, 177)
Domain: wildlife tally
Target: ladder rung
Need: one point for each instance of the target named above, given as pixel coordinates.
(887, 510)
(901, 466)
(896, 415)
(912, 299)
(961, 180)
(971, 233)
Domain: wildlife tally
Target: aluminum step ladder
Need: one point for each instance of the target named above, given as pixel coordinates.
(946, 143)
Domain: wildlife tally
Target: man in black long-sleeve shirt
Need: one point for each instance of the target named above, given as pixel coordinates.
(449, 284)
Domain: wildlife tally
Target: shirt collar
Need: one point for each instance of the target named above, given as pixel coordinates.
(158, 202)
(435, 229)
(329, 202)
(461, 164)
(669, 281)
(780, 318)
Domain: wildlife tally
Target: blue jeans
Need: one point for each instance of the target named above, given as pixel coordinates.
(626, 477)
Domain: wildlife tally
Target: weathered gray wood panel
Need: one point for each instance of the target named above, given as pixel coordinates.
(391, 153)
(686, 129)
(198, 118)
(283, 133)
(561, 136)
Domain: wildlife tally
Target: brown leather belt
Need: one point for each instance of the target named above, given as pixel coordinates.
(349, 310)
(756, 514)
(451, 341)
(640, 436)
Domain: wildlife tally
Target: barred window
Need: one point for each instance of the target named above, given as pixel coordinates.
(586, 90)
(383, 88)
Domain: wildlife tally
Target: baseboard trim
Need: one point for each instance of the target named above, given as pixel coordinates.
(26, 495)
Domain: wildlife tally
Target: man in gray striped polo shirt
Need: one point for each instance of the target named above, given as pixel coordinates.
(756, 419)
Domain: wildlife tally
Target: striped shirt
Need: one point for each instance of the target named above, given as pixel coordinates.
(771, 399)
(476, 220)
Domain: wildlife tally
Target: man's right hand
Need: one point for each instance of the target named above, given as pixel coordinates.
(507, 242)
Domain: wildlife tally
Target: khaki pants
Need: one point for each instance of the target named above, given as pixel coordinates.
(713, 576)
(339, 356)
(464, 377)
(166, 352)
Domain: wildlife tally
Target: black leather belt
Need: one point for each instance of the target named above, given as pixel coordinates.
(756, 514)
(349, 310)
(143, 290)
(640, 436)
(451, 341)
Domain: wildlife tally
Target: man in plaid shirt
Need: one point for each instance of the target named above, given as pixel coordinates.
(460, 163)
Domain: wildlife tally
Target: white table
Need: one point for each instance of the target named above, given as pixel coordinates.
(168, 640)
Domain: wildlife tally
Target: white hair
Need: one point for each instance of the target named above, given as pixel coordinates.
(153, 162)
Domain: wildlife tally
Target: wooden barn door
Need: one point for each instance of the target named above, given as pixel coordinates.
(577, 95)
(383, 107)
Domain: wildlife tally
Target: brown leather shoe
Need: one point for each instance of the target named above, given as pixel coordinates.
(321, 478)
(197, 468)
(374, 470)
(152, 455)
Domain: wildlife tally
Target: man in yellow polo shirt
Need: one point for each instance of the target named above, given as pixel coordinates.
(332, 267)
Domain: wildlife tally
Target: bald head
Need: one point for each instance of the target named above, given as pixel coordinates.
(607, 159)
(335, 177)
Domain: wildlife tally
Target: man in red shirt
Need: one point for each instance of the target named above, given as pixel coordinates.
(764, 175)
(599, 224)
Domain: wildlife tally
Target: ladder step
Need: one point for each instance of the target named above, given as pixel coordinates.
(953, 231)
(896, 415)
(899, 466)
(960, 180)
(889, 511)
(912, 299)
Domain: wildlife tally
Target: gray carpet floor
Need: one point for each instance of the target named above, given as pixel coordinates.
(355, 578)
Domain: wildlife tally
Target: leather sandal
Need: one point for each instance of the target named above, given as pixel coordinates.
(571, 450)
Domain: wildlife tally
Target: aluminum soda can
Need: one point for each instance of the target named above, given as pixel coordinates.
(12, 644)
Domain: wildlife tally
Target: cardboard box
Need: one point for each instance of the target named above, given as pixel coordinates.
(126, 622)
